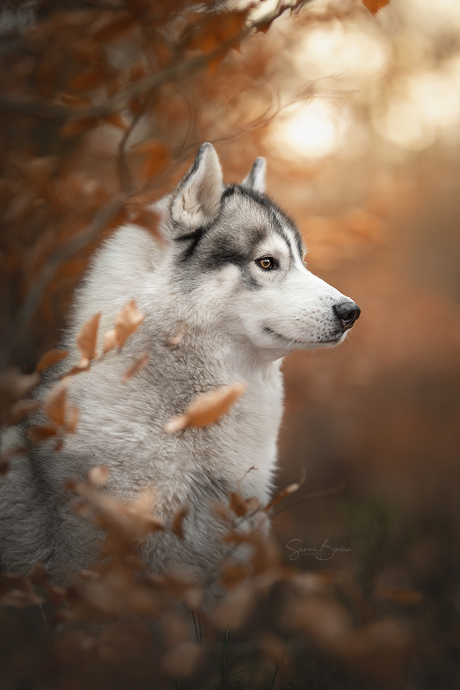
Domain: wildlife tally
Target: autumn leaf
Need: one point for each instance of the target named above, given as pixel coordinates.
(98, 475)
(139, 364)
(41, 433)
(238, 504)
(77, 125)
(21, 409)
(18, 599)
(49, 358)
(207, 408)
(127, 321)
(157, 157)
(87, 338)
(110, 340)
(375, 5)
(178, 519)
(56, 404)
(72, 420)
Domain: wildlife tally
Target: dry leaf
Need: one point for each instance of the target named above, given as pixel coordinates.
(18, 599)
(56, 404)
(177, 522)
(139, 364)
(41, 433)
(87, 338)
(238, 504)
(72, 420)
(110, 340)
(98, 475)
(21, 409)
(127, 321)
(50, 357)
(375, 5)
(207, 408)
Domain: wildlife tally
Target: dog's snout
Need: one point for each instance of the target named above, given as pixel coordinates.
(347, 312)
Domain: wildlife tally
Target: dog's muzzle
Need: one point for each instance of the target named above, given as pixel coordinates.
(348, 312)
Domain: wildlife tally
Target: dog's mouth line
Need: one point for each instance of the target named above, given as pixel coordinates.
(291, 341)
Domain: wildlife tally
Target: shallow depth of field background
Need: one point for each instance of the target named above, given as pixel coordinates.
(358, 117)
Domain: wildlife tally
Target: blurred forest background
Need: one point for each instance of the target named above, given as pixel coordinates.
(356, 107)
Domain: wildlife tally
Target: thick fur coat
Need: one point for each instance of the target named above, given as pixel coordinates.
(230, 275)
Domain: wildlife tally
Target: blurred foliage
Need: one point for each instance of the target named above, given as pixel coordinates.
(102, 105)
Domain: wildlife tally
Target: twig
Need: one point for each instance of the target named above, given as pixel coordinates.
(310, 497)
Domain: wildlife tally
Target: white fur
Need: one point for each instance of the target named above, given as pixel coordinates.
(122, 425)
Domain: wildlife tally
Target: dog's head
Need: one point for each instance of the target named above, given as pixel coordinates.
(239, 260)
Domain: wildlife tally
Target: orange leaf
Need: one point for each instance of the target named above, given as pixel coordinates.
(375, 5)
(88, 79)
(77, 125)
(21, 409)
(177, 522)
(110, 340)
(56, 404)
(117, 120)
(128, 320)
(87, 337)
(50, 357)
(157, 158)
(98, 475)
(207, 408)
(139, 364)
(41, 433)
(71, 423)
(238, 504)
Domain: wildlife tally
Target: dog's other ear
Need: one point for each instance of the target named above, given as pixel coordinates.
(197, 198)
(255, 180)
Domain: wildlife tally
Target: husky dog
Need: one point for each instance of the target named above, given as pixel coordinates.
(230, 275)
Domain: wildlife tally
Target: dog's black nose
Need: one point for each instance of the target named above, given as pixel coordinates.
(347, 312)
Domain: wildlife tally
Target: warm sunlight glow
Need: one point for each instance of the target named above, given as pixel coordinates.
(309, 131)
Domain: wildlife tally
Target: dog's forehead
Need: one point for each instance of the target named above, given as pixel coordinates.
(255, 214)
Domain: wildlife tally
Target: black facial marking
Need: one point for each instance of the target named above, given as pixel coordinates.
(195, 238)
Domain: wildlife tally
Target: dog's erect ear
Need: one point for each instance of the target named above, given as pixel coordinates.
(197, 198)
(256, 178)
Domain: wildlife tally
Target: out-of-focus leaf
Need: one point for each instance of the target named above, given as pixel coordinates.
(77, 125)
(110, 340)
(41, 433)
(18, 599)
(98, 475)
(49, 358)
(139, 364)
(157, 157)
(56, 404)
(375, 5)
(128, 320)
(177, 522)
(87, 337)
(88, 79)
(207, 408)
(238, 504)
(21, 409)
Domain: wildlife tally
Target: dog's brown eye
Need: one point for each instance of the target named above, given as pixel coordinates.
(266, 263)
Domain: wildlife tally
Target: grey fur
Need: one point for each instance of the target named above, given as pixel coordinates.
(239, 320)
